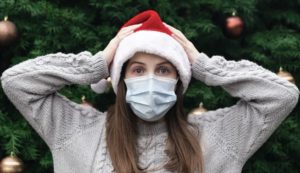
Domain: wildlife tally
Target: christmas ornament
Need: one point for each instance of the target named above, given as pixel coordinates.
(84, 102)
(8, 32)
(11, 164)
(286, 75)
(109, 85)
(234, 26)
(198, 111)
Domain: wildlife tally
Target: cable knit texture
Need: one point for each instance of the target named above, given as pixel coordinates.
(76, 134)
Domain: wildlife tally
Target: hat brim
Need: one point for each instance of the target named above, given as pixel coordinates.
(152, 42)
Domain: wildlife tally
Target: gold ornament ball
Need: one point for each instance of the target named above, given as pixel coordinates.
(286, 75)
(198, 111)
(109, 82)
(84, 102)
(8, 32)
(11, 164)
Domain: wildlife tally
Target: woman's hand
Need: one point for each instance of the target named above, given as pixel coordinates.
(110, 50)
(188, 46)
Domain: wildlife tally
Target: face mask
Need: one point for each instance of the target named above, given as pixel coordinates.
(150, 97)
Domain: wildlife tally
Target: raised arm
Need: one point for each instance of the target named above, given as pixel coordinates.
(265, 101)
(33, 84)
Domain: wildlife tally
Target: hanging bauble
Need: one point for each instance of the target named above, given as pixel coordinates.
(234, 26)
(109, 85)
(198, 111)
(286, 75)
(11, 164)
(84, 102)
(8, 32)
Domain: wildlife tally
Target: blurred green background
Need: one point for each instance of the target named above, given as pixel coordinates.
(271, 38)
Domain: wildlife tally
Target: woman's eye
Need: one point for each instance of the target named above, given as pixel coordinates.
(138, 70)
(163, 70)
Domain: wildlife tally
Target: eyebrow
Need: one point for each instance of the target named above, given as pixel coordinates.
(161, 63)
(164, 62)
(135, 62)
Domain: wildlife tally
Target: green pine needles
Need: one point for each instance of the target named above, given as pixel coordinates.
(271, 39)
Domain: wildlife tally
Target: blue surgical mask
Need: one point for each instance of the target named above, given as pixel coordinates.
(150, 97)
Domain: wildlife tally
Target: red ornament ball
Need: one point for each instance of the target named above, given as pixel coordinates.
(8, 32)
(234, 26)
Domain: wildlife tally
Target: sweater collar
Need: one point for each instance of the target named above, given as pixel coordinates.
(151, 128)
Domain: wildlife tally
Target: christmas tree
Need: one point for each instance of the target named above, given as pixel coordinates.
(268, 34)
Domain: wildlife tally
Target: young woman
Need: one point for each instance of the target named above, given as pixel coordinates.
(150, 64)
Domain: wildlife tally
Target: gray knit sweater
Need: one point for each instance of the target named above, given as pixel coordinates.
(75, 133)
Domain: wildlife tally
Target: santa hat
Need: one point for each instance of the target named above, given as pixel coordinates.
(151, 37)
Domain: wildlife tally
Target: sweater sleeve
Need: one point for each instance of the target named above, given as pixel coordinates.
(33, 84)
(265, 101)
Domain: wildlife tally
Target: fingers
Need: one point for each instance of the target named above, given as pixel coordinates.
(188, 46)
(124, 32)
(110, 49)
(132, 27)
(177, 34)
(180, 40)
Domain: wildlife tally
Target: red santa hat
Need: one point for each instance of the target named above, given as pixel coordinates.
(151, 37)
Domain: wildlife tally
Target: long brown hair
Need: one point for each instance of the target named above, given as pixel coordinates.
(182, 147)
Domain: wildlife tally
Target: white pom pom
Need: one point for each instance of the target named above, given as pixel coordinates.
(100, 87)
